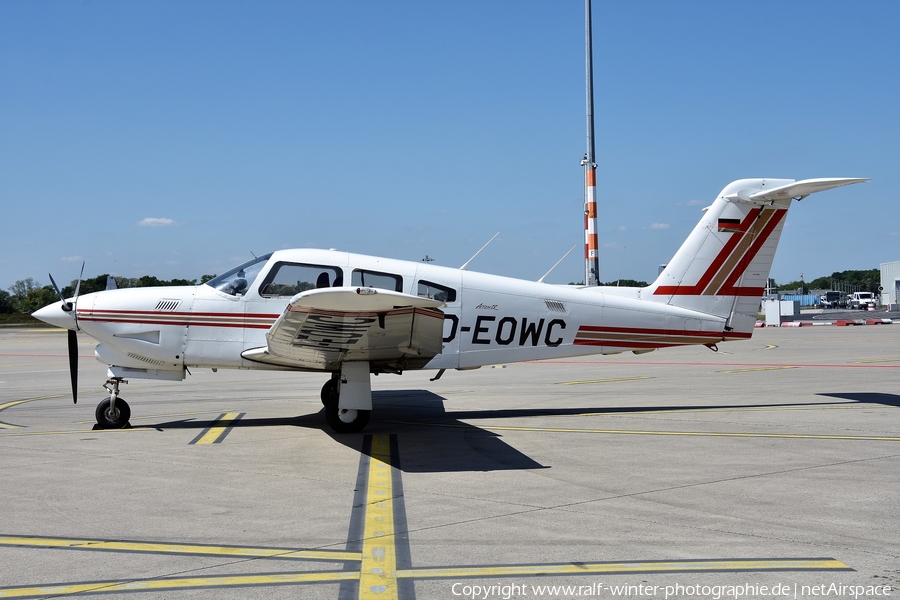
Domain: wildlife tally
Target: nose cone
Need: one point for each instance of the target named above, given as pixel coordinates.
(53, 314)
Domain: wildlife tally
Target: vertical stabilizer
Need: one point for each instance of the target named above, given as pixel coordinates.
(723, 266)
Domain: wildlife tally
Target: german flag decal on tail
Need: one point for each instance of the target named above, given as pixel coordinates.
(729, 225)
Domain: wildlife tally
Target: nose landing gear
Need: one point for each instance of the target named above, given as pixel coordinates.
(113, 412)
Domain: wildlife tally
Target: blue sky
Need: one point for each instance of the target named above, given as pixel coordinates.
(175, 138)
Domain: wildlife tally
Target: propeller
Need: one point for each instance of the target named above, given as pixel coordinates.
(72, 335)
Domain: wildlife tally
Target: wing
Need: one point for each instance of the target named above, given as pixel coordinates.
(322, 328)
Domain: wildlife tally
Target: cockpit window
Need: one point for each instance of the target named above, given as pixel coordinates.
(289, 279)
(238, 280)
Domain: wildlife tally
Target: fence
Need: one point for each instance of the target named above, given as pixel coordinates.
(804, 299)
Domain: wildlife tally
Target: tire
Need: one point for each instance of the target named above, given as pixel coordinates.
(107, 420)
(330, 391)
(333, 418)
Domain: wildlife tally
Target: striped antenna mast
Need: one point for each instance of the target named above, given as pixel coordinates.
(591, 254)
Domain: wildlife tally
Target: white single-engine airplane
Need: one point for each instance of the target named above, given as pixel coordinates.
(351, 315)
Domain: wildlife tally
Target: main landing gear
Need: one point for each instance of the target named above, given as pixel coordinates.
(113, 412)
(341, 420)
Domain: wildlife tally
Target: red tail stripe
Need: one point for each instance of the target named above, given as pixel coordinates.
(728, 288)
(727, 249)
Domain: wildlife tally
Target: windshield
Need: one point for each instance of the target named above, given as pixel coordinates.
(239, 279)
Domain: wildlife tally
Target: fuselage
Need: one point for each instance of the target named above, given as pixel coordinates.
(488, 319)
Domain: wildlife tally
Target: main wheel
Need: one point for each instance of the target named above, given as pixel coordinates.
(330, 391)
(116, 418)
(345, 421)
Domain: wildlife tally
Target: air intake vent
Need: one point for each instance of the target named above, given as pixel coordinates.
(167, 305)
(555, 306)
(151, 361)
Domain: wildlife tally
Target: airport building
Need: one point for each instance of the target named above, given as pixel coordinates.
(890, 283)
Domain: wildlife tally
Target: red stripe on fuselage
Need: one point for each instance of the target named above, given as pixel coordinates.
(95, 311)
(644, 331)
(627, 344)
(180, 323)
(180, 318)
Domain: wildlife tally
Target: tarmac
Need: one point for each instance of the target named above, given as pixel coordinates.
(768, 469)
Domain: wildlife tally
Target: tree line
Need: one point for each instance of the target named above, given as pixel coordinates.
(27, 295)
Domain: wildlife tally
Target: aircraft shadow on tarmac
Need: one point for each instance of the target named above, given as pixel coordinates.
(867, 397)
(433, 440)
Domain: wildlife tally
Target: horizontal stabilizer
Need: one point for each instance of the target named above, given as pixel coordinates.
(795, 190)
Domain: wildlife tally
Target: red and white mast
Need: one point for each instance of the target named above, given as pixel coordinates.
(591, 252)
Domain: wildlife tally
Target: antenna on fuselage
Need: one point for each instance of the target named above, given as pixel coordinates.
(541, 280)
(591, 242)
(463, 268)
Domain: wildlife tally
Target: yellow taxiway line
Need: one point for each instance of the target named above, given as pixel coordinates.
(876, 360)
(188, 549)
(869, 438)
(177, 583)
(713, 410)
(758, 369)
(378, 571)
(687, 566)
(384, 588)
(6, 405)
(605, 380)
(77, 431)
(217, 432)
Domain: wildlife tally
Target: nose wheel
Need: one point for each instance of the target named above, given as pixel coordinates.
(111, 416)
(113, 412)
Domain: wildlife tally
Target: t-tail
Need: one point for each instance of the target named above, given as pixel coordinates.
(723, 266)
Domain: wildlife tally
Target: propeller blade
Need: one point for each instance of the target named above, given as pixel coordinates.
(75, 301)
(78, 285)
(73, 363)
(65, 306)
